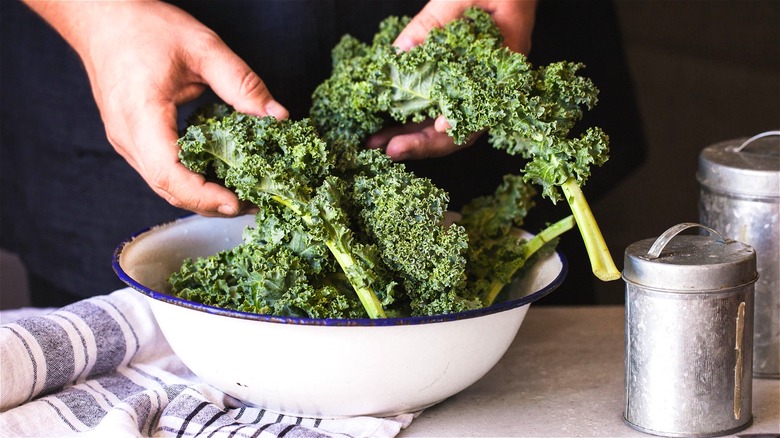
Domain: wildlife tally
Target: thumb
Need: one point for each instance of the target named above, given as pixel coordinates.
(235, 83)
(433, 14)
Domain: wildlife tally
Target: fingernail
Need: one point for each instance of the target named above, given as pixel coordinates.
(276, 109)
(227, 210)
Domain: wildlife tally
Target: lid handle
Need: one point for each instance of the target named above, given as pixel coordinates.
(754, 138)
(668, 235)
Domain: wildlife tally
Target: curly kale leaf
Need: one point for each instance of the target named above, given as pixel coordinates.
(496, 253)
(404, 215)
(264, 159)
(257, 157)
(382, 225)
(449, 74)
(463, 72)
(279, 269)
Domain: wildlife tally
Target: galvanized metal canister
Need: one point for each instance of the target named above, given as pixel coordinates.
(740, 197)
(689, 334)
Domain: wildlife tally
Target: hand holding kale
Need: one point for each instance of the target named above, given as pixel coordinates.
(345, 232)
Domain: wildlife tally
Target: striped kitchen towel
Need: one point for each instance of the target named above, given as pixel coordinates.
(101, 367)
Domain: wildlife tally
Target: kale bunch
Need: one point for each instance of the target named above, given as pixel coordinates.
(463, 72)
(340, 232)
(329, 220)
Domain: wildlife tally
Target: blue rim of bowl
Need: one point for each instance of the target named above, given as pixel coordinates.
(346, 322)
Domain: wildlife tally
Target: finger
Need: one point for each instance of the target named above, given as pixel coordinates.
(157, 160)
(514, 18)
(235, 82)
(188, 190)
(516, 22)
(441, 124)
(433, 14)
(426, 143)
(383, 137)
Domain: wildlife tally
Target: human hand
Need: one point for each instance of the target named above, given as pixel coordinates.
(515, 19)
(144, 59)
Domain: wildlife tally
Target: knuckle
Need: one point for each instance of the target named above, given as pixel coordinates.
(161, 184)
(173, 201)
(251, 85)
(167, 189)
(206, 40)
(428, 21)
(114, 140)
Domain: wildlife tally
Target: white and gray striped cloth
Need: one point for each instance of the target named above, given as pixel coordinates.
(101, 367)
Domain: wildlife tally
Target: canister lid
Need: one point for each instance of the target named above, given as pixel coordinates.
(689, 263)
(745, 166)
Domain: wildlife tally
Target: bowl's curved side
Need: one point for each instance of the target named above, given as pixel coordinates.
(337, 371)
(314, 367)
(146, 260)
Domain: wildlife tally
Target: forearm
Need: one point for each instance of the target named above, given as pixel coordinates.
(76, 20)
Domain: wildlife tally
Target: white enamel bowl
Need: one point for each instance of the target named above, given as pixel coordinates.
(320, 367)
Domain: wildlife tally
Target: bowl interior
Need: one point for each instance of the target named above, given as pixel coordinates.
(146, 260)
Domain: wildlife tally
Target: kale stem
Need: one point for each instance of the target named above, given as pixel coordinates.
(529, 248)
(548, 234)
(598, 252)
(344, 258)
(366, 295)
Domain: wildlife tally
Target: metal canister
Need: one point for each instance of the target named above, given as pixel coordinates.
(689, 333)
(740, 197)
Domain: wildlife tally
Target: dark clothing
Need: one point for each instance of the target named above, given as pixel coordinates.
(68, 199)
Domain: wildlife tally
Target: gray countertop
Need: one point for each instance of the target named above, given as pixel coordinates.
(562, 376)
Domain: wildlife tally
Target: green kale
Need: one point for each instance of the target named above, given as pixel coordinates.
(328, 217)
(496, 253)
(344, 232)
(463, 72)
(279, 269)
(404, 215)
(264, 159)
